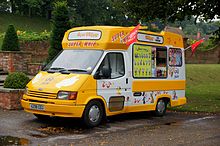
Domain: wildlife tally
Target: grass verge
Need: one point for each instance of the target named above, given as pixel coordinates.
(24, 23)
(202, 89)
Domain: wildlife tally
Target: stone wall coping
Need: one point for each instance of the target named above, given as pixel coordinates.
(16, 52)
(34, 63)
(2, 89)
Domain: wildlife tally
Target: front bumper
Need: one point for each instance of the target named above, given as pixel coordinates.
(53, 109)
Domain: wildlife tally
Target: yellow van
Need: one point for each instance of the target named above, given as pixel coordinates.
(98, 75)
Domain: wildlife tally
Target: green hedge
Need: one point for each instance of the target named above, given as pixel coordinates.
(10, 41)
(33, 36)
(16, 80)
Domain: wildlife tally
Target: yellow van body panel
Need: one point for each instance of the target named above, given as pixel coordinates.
(43, 90)
(54, 82)
(152, 107)
(180, 101)
(52, 108)
(152, 85)
(87, 90)
(114, 38)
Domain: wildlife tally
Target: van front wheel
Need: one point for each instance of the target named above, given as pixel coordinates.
(161, 108)
(93, 114)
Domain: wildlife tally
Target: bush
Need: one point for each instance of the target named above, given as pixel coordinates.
(60, 24)
(33, 36)
(16, 80)
(10, 42)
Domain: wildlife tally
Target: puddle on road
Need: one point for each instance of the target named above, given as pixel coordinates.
(9, 140)
(197, 120)
(174, 123)
(170, 123)
(39, 135)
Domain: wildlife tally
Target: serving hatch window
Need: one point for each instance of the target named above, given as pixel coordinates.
(149, 61)
(175, 57)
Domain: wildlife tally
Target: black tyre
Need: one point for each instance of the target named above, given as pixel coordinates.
(161, 107)
(42, 117)
(93, 114)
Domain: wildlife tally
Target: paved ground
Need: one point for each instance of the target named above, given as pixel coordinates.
(19, 127)
(3, 77)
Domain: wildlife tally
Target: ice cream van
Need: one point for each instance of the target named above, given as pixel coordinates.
(98, 75)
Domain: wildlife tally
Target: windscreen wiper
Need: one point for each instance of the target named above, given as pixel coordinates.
(76, 69)
(54, 69)
(68, 71)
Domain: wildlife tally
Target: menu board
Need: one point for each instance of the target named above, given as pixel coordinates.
(142, 61)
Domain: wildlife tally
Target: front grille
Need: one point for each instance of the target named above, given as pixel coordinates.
(41, 94)
(39, 101)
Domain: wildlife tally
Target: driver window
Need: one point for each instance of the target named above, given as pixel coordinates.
(111, 67)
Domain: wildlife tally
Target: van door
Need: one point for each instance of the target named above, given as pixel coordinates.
(113, 82)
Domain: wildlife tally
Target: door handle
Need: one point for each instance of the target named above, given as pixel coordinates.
(137, 94)
(126, 80)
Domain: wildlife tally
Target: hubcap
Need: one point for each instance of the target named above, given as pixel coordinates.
(161, 106)
(94, 113)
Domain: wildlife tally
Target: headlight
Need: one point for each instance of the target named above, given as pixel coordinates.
(26, 90)
(66, 95)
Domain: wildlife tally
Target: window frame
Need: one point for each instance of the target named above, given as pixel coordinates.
(181, 57)
(110, 64)
(132, 61)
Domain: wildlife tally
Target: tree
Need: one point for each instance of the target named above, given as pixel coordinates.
(32, 4)
(96, 12)
(4, 6)
(60, 23)
(170, 10)
(46, 8)
(148, 10)
(166, 10)
(90, 12)
(10, 42)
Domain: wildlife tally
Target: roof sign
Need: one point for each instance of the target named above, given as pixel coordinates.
(85, 35)
(150, 38)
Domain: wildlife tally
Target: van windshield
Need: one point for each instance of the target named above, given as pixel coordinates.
(80, 61)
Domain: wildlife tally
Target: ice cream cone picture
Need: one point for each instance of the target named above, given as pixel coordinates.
(118, 90)
(144, 100)
(152, 98)
(174, 95)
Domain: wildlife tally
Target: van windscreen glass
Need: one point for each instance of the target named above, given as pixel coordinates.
(69, 61)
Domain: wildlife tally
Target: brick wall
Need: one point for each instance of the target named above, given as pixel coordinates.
(203, 57)
(10, 98)
(38, 49)
(33, 68)
(14, 61)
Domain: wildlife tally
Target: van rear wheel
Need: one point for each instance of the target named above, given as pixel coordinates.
(161, 107)
(93, 114)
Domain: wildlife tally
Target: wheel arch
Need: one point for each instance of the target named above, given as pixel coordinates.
(99, 99)
(166, 97)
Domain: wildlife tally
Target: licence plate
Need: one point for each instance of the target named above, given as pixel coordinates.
(37, 107)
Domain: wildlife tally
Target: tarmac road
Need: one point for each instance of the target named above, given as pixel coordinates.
(21, 128)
